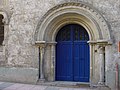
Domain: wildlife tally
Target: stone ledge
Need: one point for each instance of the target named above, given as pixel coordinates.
(101, 42)
(39, 43)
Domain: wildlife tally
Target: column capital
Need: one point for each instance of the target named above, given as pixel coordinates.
(92, 42)
(52, 43)
(101, 49)
(40, 43)
(44, 43)
(100, 42)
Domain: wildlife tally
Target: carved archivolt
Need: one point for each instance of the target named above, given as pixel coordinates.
(87, 11)
(69, 13)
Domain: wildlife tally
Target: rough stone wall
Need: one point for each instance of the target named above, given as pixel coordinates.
(3, 7)
(110, 9)
(24, 17)
(26, 14)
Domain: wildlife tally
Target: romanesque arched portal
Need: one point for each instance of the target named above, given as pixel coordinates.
(72, 13)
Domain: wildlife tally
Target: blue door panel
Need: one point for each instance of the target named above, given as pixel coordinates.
(87, 61)
(72, 54)
(64, 62)
(80, 63)
(76, 62)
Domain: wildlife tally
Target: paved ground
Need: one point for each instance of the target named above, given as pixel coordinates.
(18, 86)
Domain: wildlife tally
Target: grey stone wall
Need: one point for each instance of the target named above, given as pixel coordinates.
(4, 7)
(24, 16)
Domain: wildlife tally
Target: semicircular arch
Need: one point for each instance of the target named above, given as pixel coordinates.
(67, 13)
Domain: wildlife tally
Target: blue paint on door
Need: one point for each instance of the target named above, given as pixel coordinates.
(72, 54)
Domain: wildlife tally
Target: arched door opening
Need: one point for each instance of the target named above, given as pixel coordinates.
(69, 48)
(72, 54)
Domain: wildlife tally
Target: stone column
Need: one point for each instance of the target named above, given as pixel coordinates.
(42, 46)
(53, 60)
(41, 63)
(102, 65)
(101, 48)
(92, 61)
(52, 45)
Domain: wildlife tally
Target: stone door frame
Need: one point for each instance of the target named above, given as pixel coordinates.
(72, 13)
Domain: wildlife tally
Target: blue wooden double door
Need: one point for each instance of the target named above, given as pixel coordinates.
(72, 54)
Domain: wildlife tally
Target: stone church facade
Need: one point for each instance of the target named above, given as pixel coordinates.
(29, 49)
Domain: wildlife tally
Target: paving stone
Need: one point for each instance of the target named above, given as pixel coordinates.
(39, 87)
(26, 87)
(1, 82)
(53, 88)
(66, 89)
(14, 87)
(5, 85)
(17, 86)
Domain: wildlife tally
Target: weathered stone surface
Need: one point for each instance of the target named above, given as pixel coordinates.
(22, 75)
(24, 16)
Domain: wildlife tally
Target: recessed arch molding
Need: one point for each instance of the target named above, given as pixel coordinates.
(72, 12)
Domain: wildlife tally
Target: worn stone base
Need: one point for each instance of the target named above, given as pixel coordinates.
(103, 88)
(65, 84)
(41, 81)
(21, 75)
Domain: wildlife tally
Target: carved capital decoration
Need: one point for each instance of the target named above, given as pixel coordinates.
(40, 43)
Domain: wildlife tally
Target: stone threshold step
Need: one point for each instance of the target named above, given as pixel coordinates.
(65, 84)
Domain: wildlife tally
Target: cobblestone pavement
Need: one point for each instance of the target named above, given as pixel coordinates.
(18, 86)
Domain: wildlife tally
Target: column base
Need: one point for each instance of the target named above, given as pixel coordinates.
(41, 81)
(103, 88)
(101, 83)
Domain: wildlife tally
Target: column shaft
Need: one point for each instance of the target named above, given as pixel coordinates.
(53, 61)
(41, 63)
(102, 65)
